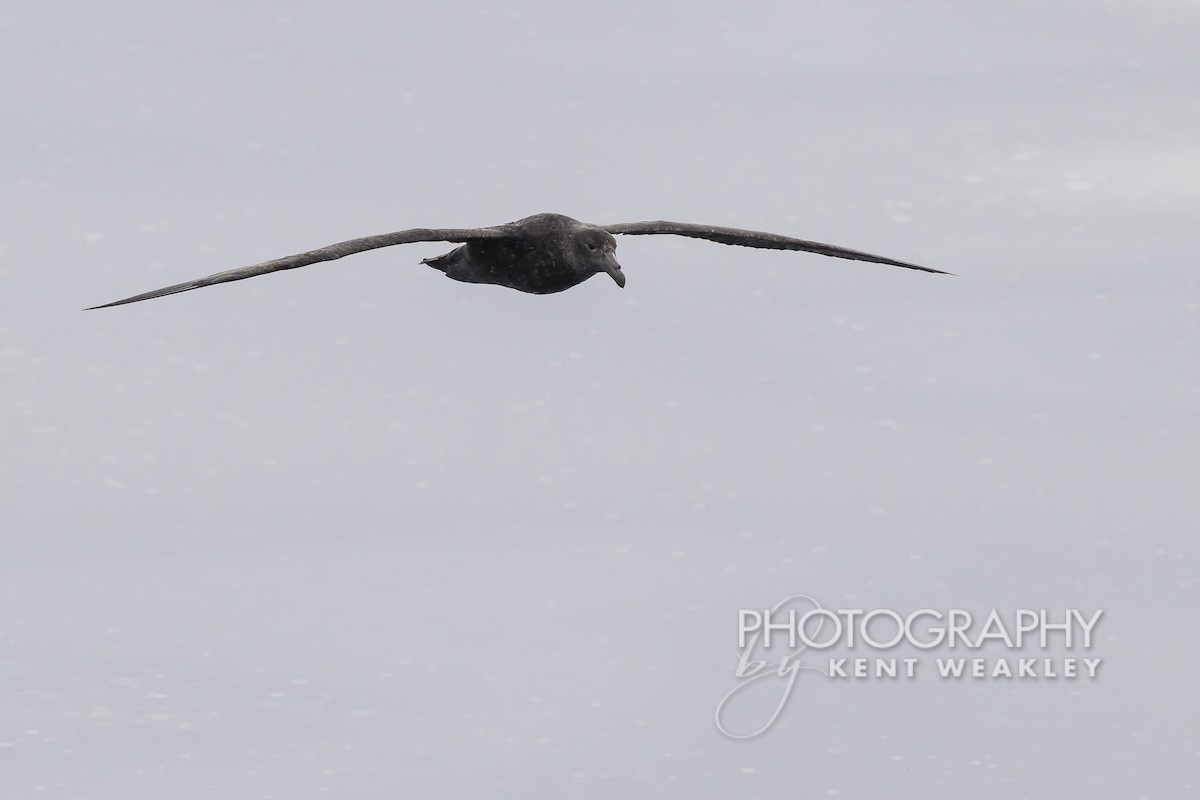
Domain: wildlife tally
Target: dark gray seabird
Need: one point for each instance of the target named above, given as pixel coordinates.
(542, 254)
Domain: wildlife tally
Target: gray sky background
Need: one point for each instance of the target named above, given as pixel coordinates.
(360, 531)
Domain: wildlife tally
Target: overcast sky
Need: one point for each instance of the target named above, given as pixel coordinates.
(358, 530)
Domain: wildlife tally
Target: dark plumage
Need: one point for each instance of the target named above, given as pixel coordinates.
(542, 254)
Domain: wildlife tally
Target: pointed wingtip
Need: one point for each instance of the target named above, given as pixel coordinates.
(114, 303)
(169, 290)
(908, 265)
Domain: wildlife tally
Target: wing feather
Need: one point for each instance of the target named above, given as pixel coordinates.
(329, 253)
(745, 238)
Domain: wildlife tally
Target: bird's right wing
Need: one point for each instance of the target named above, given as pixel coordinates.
(329, 253)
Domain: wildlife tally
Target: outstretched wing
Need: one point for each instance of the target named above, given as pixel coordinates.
(333, 251)
(743, 238)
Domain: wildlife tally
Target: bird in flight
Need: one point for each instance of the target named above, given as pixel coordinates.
(542, 254)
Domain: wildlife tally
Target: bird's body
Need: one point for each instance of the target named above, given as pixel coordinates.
(542, 254)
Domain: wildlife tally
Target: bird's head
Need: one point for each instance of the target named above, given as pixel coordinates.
(596, 250)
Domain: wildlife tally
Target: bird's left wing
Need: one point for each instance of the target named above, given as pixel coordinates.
(744, 238)
(329, 253)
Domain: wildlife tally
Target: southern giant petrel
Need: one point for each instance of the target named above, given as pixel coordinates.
(542, 254)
